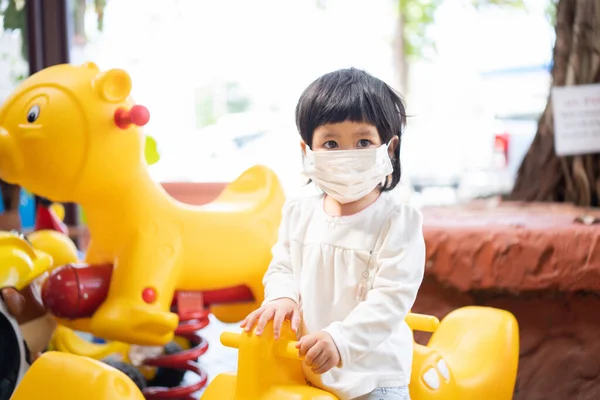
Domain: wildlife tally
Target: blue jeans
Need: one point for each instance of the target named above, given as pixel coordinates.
(388, 393)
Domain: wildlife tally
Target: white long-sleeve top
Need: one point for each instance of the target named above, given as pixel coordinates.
(320, 261)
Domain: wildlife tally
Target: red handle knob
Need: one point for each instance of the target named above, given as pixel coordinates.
(137, 115)
(76, 291)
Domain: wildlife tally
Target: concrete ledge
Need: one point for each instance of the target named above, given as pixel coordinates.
(513, 247)
(536, 261)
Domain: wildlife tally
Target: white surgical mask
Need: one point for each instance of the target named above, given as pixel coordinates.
(348, 175)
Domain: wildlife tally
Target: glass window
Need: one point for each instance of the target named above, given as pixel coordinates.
(14, 66)
(221, 79)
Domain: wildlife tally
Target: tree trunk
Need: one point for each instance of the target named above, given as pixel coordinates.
(543, 176)
(399, 53)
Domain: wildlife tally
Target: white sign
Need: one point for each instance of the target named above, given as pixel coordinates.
(576, 119)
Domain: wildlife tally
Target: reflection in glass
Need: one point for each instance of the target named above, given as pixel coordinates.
(221, 78)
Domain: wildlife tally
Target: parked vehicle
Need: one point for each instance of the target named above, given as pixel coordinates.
(510, 141)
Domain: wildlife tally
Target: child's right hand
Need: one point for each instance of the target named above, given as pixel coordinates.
(276, 310)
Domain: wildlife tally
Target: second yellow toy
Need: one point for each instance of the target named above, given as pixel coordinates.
(472, 354)
(59, 376)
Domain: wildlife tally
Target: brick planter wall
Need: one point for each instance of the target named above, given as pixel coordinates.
(537, 262)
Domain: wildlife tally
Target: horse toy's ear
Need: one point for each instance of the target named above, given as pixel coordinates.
(91, 65)
(113, 85)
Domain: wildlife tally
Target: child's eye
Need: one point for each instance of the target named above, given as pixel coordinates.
(364, 143)
(330, 144)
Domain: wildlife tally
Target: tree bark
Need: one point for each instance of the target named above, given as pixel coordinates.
(543, 176)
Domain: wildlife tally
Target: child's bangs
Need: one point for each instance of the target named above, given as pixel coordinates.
(344, 103)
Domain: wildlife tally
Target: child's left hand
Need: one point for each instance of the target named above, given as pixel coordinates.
(320, 351)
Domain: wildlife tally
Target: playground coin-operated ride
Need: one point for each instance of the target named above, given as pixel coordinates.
(154, 244)
(472, 354)
(155, 267)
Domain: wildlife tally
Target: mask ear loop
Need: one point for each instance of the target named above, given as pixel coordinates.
(304, 160)
(393, 161)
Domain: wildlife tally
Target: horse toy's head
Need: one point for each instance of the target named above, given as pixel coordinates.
(69, 133)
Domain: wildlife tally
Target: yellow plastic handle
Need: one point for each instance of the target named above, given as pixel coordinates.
(67, 341)
(422, 322)
(287, 349)
(231, 339)
(282, 348)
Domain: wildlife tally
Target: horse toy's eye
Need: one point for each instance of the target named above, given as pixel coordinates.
(33, 114)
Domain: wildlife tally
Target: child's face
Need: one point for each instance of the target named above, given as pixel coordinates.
(345, 135)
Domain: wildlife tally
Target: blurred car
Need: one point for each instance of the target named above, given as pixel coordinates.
(435, 152)
(508, 145)
(517, 96)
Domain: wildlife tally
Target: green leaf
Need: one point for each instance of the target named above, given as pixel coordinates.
(100, 5)
(550, 12)
(498, 3)
(14, 20)
(151, 151)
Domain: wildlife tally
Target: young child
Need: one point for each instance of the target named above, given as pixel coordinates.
(348, 263)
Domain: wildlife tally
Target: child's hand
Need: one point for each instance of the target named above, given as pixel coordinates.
(320, 350)
(276, 310)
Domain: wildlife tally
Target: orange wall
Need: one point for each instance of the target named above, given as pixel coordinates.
(194, 193)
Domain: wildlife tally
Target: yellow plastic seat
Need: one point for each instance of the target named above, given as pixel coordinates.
(473, 354)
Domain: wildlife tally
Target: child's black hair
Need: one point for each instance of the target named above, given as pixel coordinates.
(353, 95)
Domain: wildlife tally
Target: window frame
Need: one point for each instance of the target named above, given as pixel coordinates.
(47, 33)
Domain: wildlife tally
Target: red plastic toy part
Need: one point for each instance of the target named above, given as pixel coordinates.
(137, 115)
(46, 219)
(76, 291)
(149, 295)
